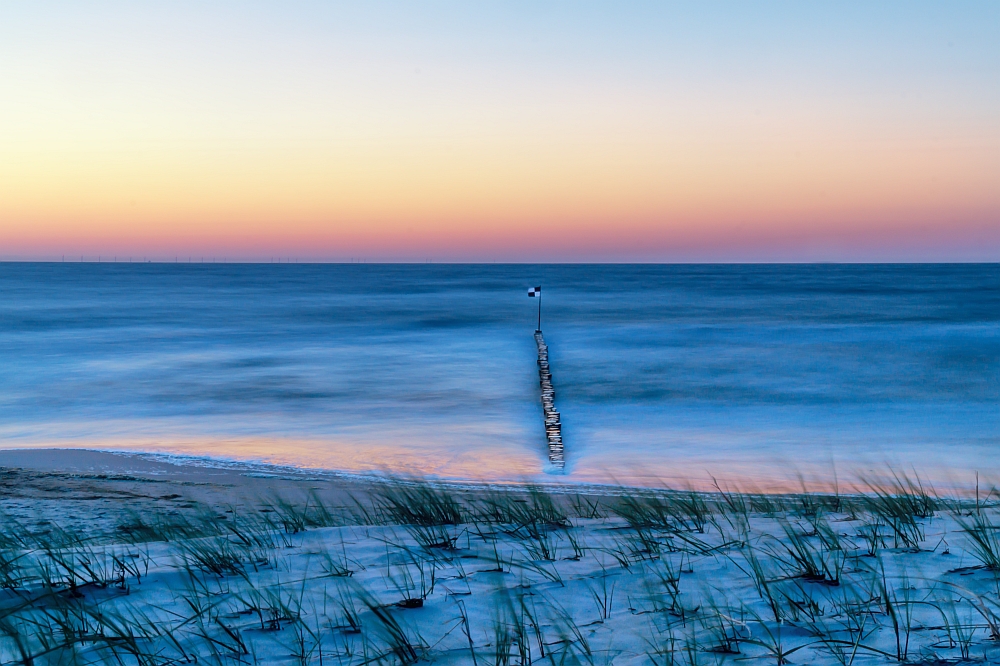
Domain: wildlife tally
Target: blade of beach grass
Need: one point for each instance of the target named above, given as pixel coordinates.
(603, 595)
(587, 508)
(417, 502)
(984, 540)
(467, 630)
(754, 569)
(801, 558)
(899, 501)
(407, 649)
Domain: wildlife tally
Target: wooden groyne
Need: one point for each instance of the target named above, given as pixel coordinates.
(553, 427)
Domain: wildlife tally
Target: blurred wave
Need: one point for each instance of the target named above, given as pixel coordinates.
(665, 371)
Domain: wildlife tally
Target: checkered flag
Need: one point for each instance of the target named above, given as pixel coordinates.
(534, 291)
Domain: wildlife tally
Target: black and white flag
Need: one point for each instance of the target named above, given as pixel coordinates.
(534, 291)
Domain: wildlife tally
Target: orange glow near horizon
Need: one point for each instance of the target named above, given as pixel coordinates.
(416, 152)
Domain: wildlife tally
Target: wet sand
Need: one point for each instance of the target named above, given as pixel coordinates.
(94, 487)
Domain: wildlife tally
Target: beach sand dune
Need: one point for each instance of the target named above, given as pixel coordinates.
(114, 558)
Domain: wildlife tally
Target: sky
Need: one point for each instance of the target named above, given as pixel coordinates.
(501, 131)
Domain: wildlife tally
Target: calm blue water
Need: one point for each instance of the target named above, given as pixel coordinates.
(745, 372)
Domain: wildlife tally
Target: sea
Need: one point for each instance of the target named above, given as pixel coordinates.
(759, 376)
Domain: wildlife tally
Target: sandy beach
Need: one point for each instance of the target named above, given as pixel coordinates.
(93, 488)
(113, 558)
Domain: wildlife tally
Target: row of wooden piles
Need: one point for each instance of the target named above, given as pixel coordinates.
(553, 427)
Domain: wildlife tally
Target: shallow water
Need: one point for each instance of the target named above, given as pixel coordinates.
(750, 373)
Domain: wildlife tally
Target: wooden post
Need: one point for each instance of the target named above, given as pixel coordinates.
(553, 426)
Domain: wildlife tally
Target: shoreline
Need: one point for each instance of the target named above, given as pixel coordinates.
(180, 466)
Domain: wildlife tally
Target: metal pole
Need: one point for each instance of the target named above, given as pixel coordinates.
(539, 310)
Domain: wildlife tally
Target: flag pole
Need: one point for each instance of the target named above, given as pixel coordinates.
(539, 310)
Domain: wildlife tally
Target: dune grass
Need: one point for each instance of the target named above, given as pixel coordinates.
(422, 572)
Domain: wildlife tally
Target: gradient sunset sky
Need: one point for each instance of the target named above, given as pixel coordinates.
(501, 131)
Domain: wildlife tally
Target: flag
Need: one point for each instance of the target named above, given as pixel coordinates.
(535, 291)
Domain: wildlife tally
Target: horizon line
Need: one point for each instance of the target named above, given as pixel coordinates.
(388, 262)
